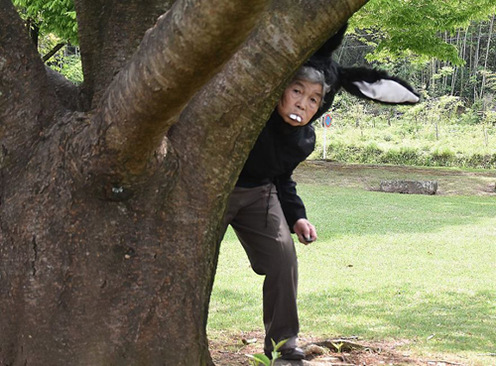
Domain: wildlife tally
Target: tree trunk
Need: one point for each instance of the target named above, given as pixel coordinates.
(110, 205)
(486, 59)
(464, 53)
(444, 84)
(457, 68)
(476, 61)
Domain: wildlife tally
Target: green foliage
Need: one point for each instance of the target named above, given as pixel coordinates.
(63, 62)
(261, 358)
(51, 16)
(258, 359)
(490, 79)
(70, 67)
(406, 27)
(444, 71)
(438, 132)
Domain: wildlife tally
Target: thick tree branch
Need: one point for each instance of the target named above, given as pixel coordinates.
(182, 52)
(53, 51)
(225, 116)
(110, 31)
(68, 93)
(22, 83)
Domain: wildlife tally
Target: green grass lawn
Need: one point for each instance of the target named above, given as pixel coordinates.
(385, 267)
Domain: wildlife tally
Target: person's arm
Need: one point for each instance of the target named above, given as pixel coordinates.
(294, 210)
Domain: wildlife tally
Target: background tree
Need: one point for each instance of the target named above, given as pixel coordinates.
(447, 47)
(111, 192)
(420, 27)
(43, 17)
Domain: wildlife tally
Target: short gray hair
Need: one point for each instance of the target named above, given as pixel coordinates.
(312, 75)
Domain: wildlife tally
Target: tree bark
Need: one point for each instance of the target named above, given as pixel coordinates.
(457, 68)
(464, 53)
(110, 209)
(177, 63)
(22, 81)
(486, 59)
(475, 70)
(109, 33)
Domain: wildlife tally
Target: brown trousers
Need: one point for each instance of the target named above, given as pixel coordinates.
(257, 219)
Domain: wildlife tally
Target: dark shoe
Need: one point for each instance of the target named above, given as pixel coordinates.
(292, 354)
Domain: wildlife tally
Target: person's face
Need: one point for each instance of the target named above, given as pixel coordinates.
(299, 102)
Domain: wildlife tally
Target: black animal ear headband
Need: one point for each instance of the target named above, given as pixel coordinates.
(366, 83)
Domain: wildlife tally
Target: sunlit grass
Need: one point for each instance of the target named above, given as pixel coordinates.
(406, 142)
(386, 266)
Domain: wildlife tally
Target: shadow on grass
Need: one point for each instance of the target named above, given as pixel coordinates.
(341, 211)
(446, 321)
(232, 309)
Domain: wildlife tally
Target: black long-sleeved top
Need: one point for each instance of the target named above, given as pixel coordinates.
(278, 150)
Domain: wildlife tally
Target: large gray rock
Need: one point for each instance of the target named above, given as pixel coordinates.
(328, 361)
(409, 186)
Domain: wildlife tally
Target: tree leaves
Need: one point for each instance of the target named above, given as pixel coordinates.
(419, 26)
(51, 16)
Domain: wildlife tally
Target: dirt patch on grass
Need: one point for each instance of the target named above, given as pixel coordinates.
(230, 350)
(369, 177)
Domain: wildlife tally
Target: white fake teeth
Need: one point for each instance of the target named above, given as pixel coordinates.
(295, 117)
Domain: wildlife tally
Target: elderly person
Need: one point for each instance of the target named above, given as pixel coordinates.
(264, 208)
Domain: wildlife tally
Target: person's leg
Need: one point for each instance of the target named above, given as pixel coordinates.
(262, 230)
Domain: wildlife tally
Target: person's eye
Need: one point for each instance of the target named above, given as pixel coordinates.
(314, 100)
(296, 91)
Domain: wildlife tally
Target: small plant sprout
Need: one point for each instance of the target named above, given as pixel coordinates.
(338, 346)
(261, 359)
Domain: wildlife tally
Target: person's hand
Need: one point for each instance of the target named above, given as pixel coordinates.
(305, 230)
